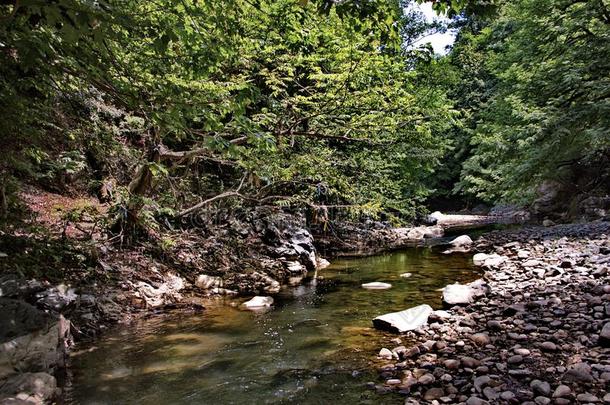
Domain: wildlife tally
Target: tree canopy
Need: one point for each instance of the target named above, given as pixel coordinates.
(541, 98)
(302, 103)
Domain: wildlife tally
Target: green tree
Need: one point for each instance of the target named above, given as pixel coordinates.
(547, 116)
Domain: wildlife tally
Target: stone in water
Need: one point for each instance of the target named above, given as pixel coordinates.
(404, 321)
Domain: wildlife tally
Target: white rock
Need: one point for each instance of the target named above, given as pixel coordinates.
(322, 263)
(440, 314)
(406, 275)
(479, 258)
(492, 260)
(385, 354)
(204, 281)
(376, 286)
(259, 302)
(463, 240)
(436, 215)
(458, 294)
(404, 321)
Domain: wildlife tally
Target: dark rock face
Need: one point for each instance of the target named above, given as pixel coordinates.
(29, 389)
(595, 207)
(538, 334)
(33, 344)
(296, 244)
(551, 199)
(18, 318)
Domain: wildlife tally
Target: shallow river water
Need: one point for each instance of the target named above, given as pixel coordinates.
(315, 346)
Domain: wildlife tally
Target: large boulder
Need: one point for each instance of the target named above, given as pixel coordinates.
(595, 207)
(416, 233)
(56, 298)
(462, 244)
(404, 321)
(292, 243)
(479, 259)
(435, 231)
(29, 388)
(31, 340)
(424, 232)
(551, 199)
(437, 215)
(161, 294)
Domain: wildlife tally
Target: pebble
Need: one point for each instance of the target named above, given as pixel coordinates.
(385, 354)
(426, 379)
(542, 400)
(481, 339)
(586, 397)
(507, 395)
(434, 393)
(562, 391)
(469, 362)
(452, 364)
(541, 387)
(548, 346)
(476, 401)
(481, 381)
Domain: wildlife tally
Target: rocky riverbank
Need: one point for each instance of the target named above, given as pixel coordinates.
(534, 330)
(91, 285)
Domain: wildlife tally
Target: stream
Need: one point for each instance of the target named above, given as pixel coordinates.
(315, 346)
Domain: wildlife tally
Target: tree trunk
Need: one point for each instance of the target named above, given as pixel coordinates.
(3, 201)
(128, 225)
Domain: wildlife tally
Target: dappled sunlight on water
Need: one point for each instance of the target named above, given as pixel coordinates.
(315, 345)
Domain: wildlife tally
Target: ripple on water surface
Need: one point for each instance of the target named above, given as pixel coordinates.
(313, 347)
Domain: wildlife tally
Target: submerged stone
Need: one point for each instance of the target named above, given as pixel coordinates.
(404, 321)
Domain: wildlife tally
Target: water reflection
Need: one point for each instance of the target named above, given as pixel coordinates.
(313, 347)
